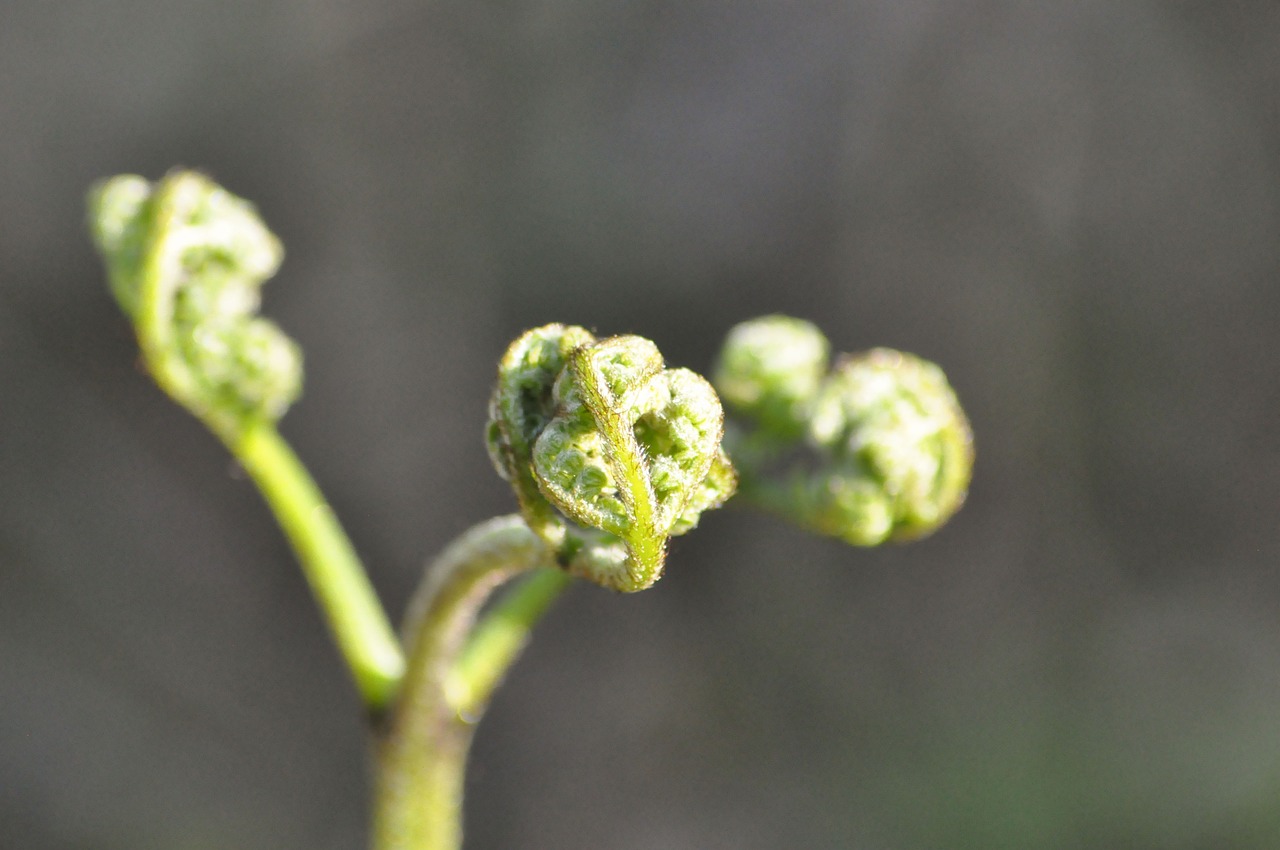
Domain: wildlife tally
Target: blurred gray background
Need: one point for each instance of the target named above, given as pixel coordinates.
(1073, 207)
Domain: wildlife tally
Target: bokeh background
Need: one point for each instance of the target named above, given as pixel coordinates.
(1074, 207)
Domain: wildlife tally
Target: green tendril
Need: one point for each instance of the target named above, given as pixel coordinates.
(601, 434)
(876, 449)
(186, 261)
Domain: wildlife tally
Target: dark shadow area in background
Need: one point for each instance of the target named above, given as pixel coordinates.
(1073, 209)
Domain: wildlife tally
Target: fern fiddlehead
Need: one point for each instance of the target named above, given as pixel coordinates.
(609, 452)
(875, 448)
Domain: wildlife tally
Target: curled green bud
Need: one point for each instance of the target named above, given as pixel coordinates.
(899, 446)
(520, 408)
(603, 433)
(770, 369)
(878, 449)
(186, 261)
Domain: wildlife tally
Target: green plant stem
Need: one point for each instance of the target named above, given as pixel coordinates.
(337, 578)
(449, 678)
(499, 638)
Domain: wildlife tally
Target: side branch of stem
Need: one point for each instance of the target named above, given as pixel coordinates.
(340, 584)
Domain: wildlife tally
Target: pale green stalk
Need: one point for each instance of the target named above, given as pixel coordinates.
(421, 758)
(499, 638)
(340, 584)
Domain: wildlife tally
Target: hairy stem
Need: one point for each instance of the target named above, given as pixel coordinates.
(499, 638)
(452, 670)
(341, 586)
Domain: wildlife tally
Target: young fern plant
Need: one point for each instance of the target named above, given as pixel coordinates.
(874, 448)
(608, 451)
